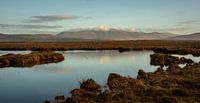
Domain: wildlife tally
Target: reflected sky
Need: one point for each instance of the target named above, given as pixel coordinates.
(34, 85)
(195, 59)
(2, 52)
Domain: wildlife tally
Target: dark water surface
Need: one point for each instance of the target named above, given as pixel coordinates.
(41, 82)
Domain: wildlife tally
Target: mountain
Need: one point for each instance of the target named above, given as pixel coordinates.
(3, 35)
(88, 35)
(35, 38)
(195, 36)
(23, 37)
(114, 34)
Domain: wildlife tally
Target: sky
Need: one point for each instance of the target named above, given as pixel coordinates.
(55, 16)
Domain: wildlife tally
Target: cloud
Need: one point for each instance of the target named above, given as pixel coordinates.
(98, 28)
(49, 18)
(131, 30)
(172, 29)
(188, 22)
(19, 26)
(103, 28)
(177, 28)
(108, 28)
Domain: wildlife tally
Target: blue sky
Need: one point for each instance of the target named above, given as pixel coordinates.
(54, 16)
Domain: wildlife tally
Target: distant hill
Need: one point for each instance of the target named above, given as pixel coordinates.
(114, 34)
(34, 38)
(195, 36)
(23, 37)
(3, 35)
(97, 35)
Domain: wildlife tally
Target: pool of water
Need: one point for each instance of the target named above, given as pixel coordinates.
(195, 59)
(41, 82)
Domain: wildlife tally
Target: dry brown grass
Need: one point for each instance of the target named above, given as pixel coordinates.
(29, 60)
(101, 45)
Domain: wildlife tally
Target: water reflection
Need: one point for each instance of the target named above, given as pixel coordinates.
(104, 59)
(33, 85)
(2, 52)
(195, 59)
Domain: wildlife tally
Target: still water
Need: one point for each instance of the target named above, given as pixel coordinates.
(41, 82)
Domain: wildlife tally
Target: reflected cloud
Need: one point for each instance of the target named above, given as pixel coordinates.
(104, 59)
(55, 70)
(133, 57)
